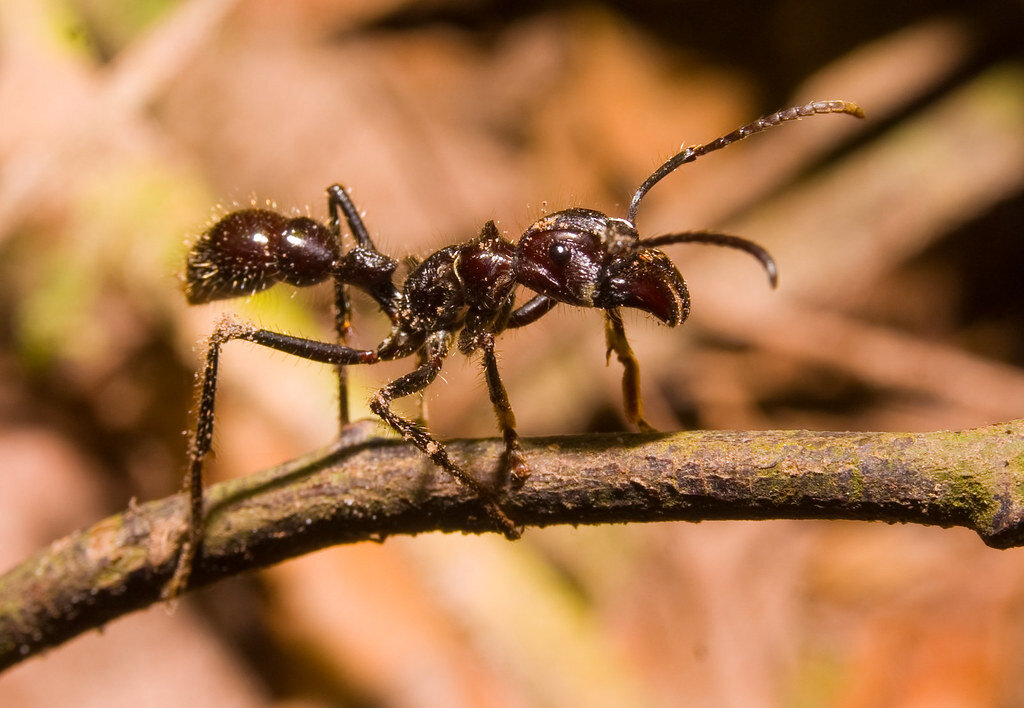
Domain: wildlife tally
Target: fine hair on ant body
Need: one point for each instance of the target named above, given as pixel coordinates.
(462, 295)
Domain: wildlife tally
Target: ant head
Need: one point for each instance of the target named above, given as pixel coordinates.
(585, 258)
(252, 249)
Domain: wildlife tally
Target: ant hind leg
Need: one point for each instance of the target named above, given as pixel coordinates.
(226, 330)
(199, 446)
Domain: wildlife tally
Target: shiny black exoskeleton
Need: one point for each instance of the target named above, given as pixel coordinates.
(462, 295)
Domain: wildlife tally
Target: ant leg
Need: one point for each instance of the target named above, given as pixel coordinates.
(528, 313)
(363, 267)
(421, 417)
(437, 346)
(338, 199)
(615, 336)
(342, 326)
(228, 329)
(514, 460)
(716, 239)
(198, 448)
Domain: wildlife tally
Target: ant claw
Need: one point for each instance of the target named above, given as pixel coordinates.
(517, 469)
(644, 427)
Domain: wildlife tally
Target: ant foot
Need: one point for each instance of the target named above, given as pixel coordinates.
(176, 585)
(515, 467)
(644, 427)
(504, 524)
(501, 520)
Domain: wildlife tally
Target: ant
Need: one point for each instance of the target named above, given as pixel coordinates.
(462, 295)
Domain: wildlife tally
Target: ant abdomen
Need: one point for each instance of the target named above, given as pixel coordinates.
(252, 249)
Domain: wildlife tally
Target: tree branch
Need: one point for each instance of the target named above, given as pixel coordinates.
(365, 487)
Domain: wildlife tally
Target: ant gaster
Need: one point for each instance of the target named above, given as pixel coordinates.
(462, 295)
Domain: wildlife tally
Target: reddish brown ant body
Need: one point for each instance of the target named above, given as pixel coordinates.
(462, 295)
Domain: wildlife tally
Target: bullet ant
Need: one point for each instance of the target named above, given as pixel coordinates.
(462, 295)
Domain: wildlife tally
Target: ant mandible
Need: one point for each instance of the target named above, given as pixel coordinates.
(577, 256)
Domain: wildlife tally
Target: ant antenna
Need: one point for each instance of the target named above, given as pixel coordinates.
(716, 239)
(692, 152)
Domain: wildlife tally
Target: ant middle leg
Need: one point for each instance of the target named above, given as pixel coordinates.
(342, 327)
(338, 200)
(421, 403)
(615, 336)
(436, 347)
(339, 204)
(514, 459)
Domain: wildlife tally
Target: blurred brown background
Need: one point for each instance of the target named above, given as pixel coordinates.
(900, 307)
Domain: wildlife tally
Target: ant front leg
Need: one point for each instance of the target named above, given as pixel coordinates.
(199, 447)
(436, 348)
(615, 336)
(530, 311)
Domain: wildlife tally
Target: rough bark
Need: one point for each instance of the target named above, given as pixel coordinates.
(365, 488)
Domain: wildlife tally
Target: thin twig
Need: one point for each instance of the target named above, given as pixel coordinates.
(366, 488)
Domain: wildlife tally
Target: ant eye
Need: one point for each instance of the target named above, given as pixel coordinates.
(559, 253)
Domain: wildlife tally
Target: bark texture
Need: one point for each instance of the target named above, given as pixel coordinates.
(367, 488)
